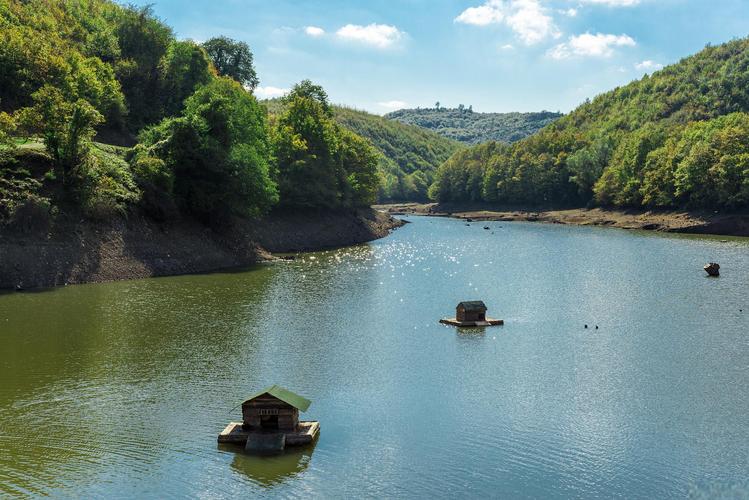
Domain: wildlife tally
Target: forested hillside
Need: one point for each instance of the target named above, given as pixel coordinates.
(408, 156)
(204, 148)
(467, 126)
(677, 138)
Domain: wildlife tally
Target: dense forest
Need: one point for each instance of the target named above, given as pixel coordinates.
(465, 125)
(677, 138)
(408, 156)
(184, 133)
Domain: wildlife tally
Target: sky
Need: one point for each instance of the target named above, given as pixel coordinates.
(496, 55)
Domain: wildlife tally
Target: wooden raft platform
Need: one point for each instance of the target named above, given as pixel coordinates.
(305, 434)
(472, 324)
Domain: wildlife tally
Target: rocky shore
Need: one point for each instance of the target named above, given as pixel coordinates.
(80, 251)
(727, 224)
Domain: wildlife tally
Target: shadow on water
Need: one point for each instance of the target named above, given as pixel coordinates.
(273, 470)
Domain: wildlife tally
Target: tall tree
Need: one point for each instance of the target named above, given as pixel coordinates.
(234, 59)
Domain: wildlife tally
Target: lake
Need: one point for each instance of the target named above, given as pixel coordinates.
(120, 389)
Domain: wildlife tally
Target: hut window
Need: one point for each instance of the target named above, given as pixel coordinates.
(269, 411)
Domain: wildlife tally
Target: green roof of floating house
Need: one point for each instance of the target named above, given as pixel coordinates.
(284, 395)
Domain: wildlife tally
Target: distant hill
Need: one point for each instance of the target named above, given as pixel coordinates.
(410, 154)
(470, 127)
(676, 138)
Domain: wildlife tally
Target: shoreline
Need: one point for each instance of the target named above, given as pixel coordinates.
(670, 221)
(80, 251)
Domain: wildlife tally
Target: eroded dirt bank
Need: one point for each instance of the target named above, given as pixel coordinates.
(728, 224)
(77, 251)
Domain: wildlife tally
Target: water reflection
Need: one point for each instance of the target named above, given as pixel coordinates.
(270, 471)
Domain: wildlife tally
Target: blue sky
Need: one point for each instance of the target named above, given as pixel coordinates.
(497, 55)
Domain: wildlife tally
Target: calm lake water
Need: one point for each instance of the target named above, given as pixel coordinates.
(119, 390)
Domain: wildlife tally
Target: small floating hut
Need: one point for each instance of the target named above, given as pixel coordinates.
(471, 314)
(270, 422)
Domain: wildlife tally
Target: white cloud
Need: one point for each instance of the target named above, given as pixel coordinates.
(527, 18)
(569, 12)
(508, 46)
(613, 3)
(269, 92)
(381, 36)
(314, 31)
(492, 12)
(648, 66)
(393, 104)
(588, 45)
(531, 22)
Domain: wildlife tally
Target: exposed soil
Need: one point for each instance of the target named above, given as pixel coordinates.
(729, 224)
(81, 251)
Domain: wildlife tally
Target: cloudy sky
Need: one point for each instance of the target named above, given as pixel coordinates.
(497, 55)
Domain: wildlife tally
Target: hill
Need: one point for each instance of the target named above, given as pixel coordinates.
(677, 138)
(470, 127)
(409, 155)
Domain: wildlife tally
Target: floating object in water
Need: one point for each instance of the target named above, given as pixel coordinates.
(271, 422)
(712, 269)
(586, 327)
(487, 227)
(471, 314)
(596, 327)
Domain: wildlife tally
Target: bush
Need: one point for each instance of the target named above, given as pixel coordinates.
(108, 187)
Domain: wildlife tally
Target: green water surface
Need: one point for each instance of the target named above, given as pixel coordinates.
(119, 390)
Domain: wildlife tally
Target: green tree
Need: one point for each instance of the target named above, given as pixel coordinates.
(233, 59)
(67, 128)
(7, 127)
(143, 40)
(218, 153)
(306, 146)
(183, 69)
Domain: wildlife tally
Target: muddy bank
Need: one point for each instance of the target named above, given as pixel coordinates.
(736, 224)
(77, 251)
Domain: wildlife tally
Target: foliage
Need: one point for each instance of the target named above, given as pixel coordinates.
(184, 68)
(676, 138)
(7, 127)
(320, 164)
(67, 128)
(233, 59)
(464, 125)
(409, 155)
(217, 152)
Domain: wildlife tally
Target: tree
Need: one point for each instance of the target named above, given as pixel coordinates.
(437, 105)
(67, 128)
(143, 41)
(184, 68)
(218, 154)
(320, 164)
(7, 126)
(233, 59)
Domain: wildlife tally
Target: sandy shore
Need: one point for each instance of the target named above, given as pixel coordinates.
(736, 224)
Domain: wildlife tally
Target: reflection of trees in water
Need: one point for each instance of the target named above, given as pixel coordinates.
(270, 471)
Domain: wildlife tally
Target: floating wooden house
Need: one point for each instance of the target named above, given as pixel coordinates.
(270, 422)
(471, 314)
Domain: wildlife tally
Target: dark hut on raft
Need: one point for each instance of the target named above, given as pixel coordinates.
(471, 314)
